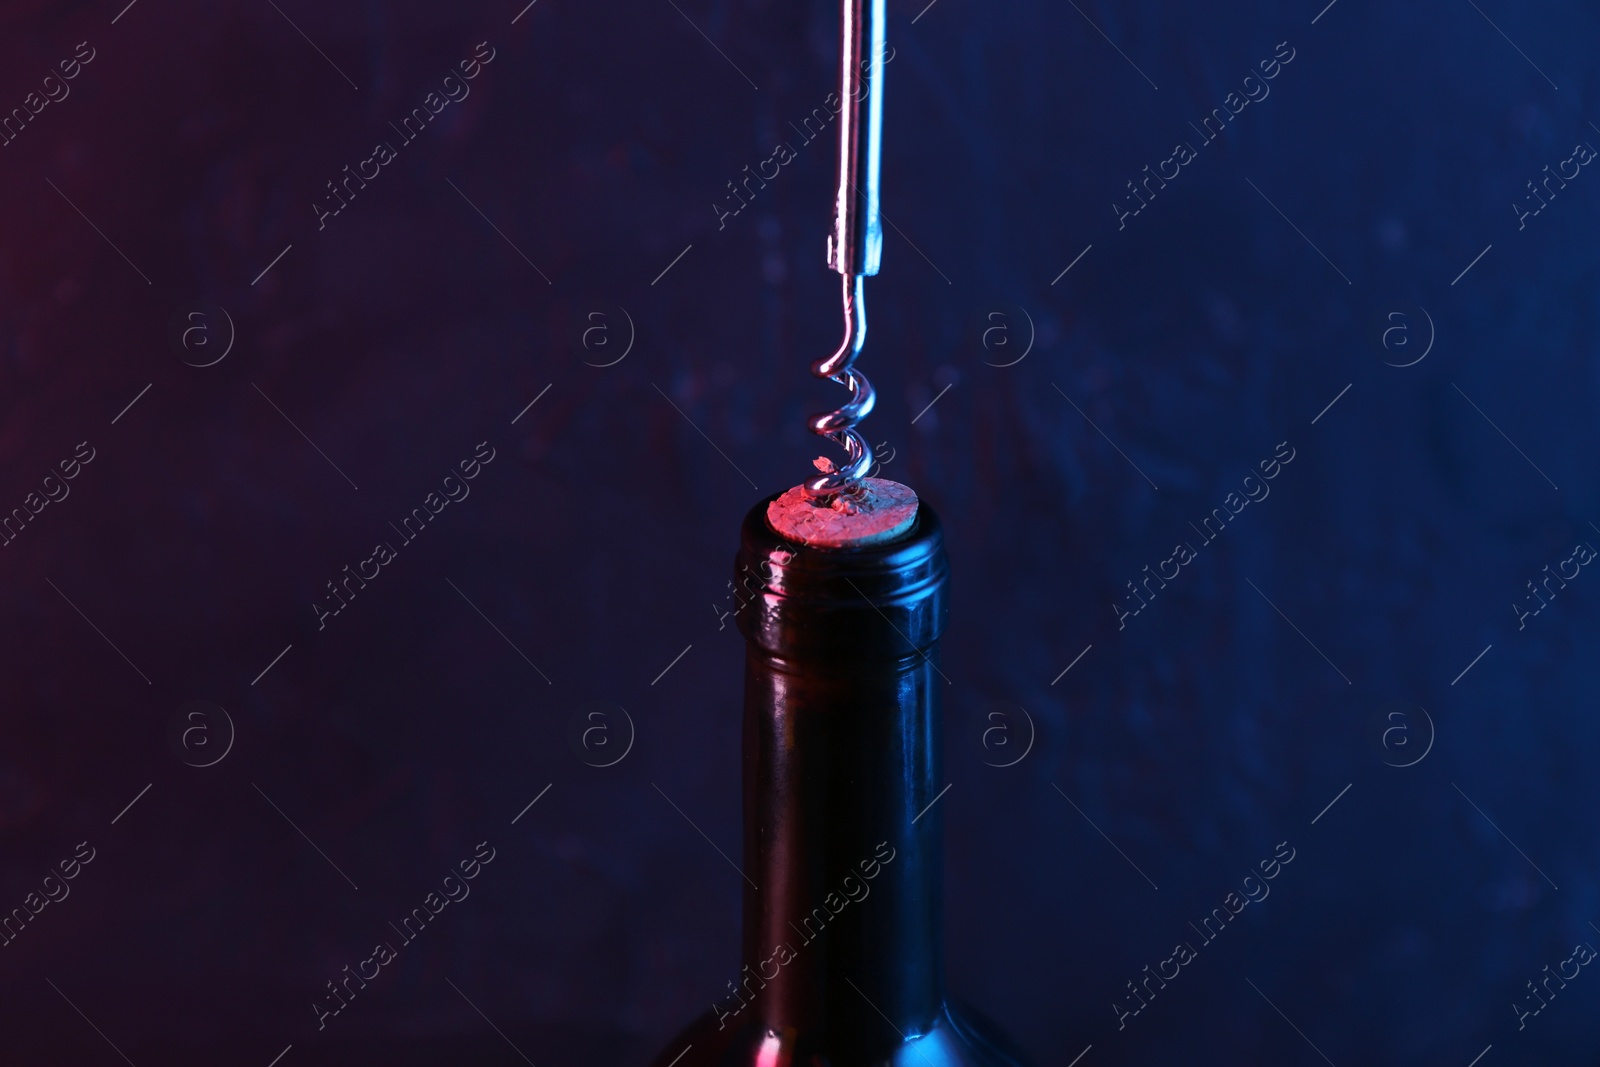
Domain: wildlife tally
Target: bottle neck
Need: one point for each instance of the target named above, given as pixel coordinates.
(842, 923)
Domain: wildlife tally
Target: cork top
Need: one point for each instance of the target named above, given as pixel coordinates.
(847, 604)
(879, 511)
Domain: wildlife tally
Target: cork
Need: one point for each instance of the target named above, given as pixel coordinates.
(880, 510)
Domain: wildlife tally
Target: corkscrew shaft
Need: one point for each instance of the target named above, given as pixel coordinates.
(855, 246)
(856, 243)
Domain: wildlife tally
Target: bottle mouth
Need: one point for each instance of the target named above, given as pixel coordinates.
(881, 600)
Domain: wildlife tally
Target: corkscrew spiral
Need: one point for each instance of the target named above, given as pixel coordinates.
(855, 246)
(839, 424)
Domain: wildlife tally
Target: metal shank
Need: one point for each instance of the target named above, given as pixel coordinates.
(856, 243)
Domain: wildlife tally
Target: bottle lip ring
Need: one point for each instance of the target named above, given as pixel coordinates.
(884, 599)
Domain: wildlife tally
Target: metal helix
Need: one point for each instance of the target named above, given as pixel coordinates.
(839, 424)
(856, 243)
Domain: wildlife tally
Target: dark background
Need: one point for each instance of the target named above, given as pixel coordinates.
(598, 542)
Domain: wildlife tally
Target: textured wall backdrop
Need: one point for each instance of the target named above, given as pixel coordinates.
(1138, 256)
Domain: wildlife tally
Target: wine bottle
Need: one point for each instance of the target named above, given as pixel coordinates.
(841, 961)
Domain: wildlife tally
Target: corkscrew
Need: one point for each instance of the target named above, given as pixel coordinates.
(856, 244)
